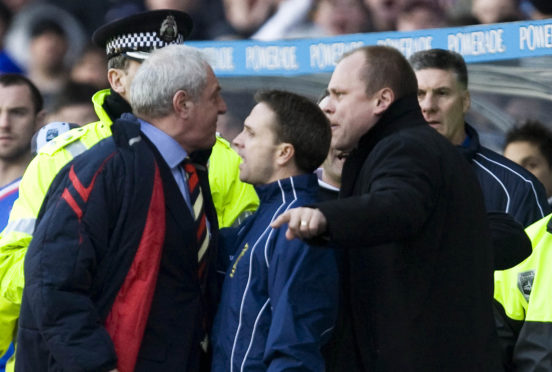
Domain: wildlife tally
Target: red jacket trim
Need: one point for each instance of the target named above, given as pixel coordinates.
(129, 314)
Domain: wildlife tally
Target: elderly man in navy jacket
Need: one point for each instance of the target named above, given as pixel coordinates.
(120, 272)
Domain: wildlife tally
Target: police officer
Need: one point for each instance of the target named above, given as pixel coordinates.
(524, 295)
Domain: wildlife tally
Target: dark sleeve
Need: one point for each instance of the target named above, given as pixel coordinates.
(59, 274)
(533, 349)
(226, 248)
(508, 332)
(511, 244)
(530, 204)
(303, 290)
(395, 201)
(227, 245)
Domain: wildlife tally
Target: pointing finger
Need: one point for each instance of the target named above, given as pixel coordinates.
(280, 220)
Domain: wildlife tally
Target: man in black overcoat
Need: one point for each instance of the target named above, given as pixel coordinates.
(417, 262)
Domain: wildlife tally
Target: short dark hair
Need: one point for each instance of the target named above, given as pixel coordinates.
(301, 123)
(432, 7)
(386, 67)
(119, 62)
(73, 93)
(443, 60)
(8, 80)
(45, 26)
(535, 132)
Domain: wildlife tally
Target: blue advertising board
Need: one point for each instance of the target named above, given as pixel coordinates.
(481, 43)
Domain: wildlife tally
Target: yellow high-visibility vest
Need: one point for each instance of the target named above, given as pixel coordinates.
(525, 293)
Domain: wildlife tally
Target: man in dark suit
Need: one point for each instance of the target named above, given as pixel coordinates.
(120, 272)
(417, 265)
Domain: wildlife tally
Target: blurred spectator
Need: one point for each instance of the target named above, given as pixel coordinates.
(463, 19)
(456, 8)
(18, 36)
(92, 14)
(238, 104)
(384, 13)
(7, 64)
(329, 174)
(531, 147)
(123, 9)
(21, 114)
(420, 15)
(493, 11)
(247, 16)
(527, 108)
(338, 17)
(73, 105)
(327, 18)
(290, 15)
(207, 15)
(91, 67)
(542, 9)
(47, 50)
(16, 5)
(171, 4)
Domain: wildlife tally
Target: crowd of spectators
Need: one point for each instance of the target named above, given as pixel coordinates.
(48, 40)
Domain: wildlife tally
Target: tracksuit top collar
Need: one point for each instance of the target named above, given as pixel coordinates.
(272, 192)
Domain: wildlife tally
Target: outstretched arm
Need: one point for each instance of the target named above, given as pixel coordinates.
(393, 201)
(303, 223)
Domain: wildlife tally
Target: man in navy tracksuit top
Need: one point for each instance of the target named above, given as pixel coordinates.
(280, 297)
(444, 99)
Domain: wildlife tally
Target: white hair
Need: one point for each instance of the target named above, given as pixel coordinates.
(166, 71)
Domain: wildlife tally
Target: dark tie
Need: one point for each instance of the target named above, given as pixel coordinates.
(200, 219)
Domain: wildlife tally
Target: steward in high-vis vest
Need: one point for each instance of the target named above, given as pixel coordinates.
(525, 293)
(128, 42)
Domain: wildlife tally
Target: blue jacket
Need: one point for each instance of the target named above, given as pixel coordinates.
(507, 187)
(280, 297)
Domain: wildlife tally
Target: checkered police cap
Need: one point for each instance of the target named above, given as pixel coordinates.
(137, 35)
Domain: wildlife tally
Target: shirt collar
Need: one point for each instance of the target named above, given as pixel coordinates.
(170, 150)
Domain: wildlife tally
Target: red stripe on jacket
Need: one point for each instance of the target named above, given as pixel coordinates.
(84, 192)
(72, 203)
(129, 314)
